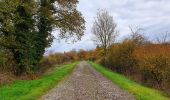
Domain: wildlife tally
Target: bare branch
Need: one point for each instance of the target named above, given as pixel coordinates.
(137, 36)
(163, 38)
(104, 29)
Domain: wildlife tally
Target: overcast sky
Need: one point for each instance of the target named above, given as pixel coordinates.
(151, 15)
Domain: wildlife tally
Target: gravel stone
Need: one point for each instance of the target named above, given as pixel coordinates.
(85, 83)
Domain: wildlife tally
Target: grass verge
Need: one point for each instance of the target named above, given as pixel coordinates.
(139, 91)
(33, 89)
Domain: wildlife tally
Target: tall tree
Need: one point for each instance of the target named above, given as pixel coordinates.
(61, 15)
(26, 26)
(20, 26)
(104, 30)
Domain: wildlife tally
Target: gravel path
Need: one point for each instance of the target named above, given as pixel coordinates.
(87, 84)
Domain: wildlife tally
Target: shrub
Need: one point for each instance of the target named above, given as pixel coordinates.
(120, 57)
(7, 64)
(147, 63)
(154, 63)
(7, 67)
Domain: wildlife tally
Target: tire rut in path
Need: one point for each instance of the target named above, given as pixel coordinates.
(85, 83)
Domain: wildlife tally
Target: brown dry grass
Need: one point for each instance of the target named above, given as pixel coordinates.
(6, 78)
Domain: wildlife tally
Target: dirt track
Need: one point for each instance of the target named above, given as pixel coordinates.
(87, 84)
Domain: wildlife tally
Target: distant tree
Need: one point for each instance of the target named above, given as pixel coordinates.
(82, 54)
(137, 35)
(104, 30)
(163, 38)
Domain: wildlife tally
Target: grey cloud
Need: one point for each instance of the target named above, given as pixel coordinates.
(152, 15)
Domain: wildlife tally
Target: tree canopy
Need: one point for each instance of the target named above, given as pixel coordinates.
(26, 27)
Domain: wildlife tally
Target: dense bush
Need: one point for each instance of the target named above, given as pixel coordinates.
(154, 63)
(57, 58)
(7, 63)
(7, 67)
(120, 57)
(98, 55)
(50, 60)
(146, 63)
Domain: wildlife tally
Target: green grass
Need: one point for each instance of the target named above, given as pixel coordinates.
(139, 91)
(33, 89)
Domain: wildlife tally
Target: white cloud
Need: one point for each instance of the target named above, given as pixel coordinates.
(152, 15)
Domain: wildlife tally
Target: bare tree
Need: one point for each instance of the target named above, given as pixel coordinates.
(163, 38)
(104, 30)
(137, 35)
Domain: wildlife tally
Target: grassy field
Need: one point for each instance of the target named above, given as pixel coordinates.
(33, 89)
(139, 91)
